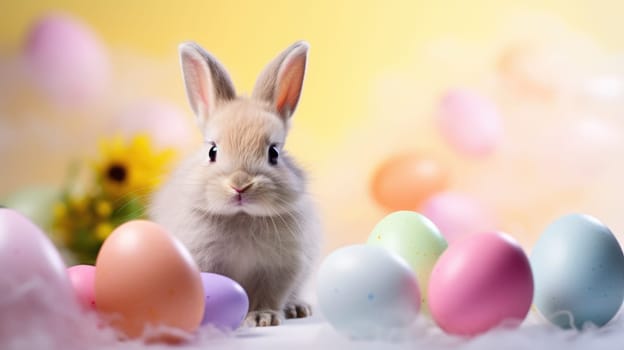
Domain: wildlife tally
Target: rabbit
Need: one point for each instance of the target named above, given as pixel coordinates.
(240, 204)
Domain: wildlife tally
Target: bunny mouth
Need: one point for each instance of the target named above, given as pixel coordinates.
(239, 200)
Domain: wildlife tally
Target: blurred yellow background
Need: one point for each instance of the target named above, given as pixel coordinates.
(371, 63)
(352, 41)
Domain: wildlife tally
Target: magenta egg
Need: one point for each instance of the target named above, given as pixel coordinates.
(82, 278)
(480, 282)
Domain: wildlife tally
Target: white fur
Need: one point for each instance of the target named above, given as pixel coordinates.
(240, 215)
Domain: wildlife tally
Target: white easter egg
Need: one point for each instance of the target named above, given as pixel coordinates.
(366, 291)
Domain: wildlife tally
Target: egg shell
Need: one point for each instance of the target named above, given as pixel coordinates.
(144, 276)
(82, 278)
(366, 291)
(227, 302)
(414, 238)
(479, 283)
(579, 272)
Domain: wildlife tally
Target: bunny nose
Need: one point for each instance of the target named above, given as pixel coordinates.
(240, 181)
(240, 190)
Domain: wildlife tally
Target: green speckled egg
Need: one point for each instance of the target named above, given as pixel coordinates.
(413, 237)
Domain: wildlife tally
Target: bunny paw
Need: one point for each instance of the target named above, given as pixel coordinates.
(263, 318)
(297, 309)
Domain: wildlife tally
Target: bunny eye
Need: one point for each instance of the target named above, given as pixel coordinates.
(273, 155)
(213, 153)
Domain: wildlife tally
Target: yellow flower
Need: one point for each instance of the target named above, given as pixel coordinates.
(78, 204)
(60, 211)
(103, 208)
(131, 168)
(103, 230)
(63, 223)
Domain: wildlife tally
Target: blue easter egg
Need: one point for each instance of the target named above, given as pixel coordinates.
(367, 291)
(578, 268)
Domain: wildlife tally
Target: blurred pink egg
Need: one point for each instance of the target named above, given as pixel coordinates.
(479, 283)
(164, 121)
(576, 151)
(470, 123)
(34, 286)
(66, 60)
(457, 215)
(82, 278)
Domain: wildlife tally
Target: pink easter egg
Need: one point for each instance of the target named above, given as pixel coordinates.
(470, 123)
(82, 278)
(27, 254)
(164, 121)
(66, 60)
(456, 215)
(479, 283)
(35, 292)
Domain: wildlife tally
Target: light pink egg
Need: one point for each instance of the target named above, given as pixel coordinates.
(66, 60)
(36, 300)
(82, 278)
(168, 125)
(457, 214)
(470, 123)
(479, 283)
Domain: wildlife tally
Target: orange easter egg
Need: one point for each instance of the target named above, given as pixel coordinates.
(405, 181)
(145, 277)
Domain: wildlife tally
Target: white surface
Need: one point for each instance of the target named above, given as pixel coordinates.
(314, 333)
(52, 325)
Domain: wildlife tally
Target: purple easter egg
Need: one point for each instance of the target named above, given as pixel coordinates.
(34, 285)
(470, 123)
(227, 303)
(66, 60)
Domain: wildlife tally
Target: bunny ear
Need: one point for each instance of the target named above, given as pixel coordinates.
(281, 82)
(207, 82)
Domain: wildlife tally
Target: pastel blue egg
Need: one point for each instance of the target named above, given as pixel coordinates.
(578, 268)
(367, 291)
